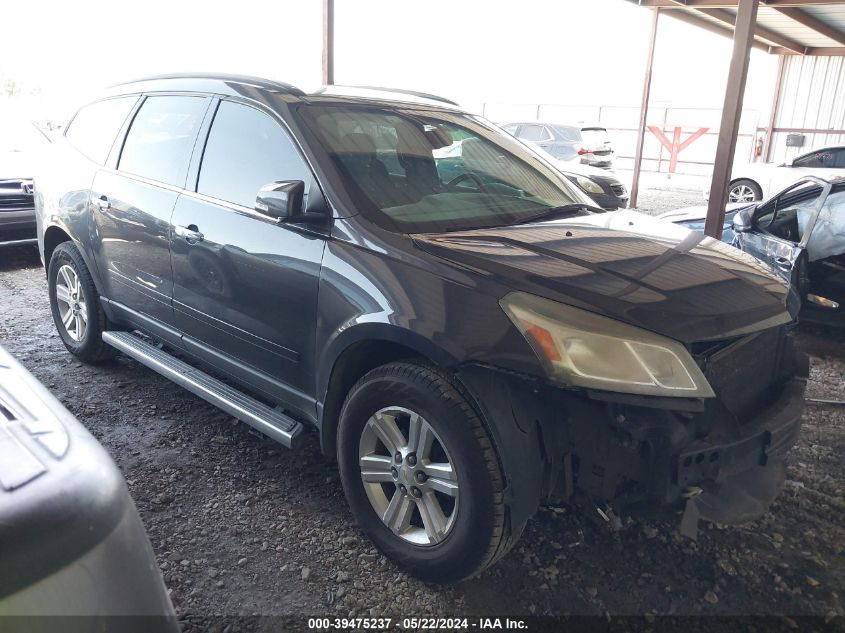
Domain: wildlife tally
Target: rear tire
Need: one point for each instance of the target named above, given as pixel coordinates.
(456, 455)
(744, 190)
(75, 305)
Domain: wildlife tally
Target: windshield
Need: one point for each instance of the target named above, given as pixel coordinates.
(431, 171)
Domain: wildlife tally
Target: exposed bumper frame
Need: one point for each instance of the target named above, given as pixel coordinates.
(555, 443)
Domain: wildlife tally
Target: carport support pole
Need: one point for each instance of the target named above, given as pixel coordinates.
(770, 131)
(328, 42)
(746, 20)
(638, 156)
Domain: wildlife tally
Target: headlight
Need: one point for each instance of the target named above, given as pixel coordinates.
(587, 184)
(584, 349)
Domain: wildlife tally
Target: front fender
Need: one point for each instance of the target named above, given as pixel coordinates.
(370, 328)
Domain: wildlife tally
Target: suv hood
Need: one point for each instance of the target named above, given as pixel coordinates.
(630, 267)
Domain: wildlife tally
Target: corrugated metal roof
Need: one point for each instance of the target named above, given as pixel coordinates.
(813, 28)
(777, 22)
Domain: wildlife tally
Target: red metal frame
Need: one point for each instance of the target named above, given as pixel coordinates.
(675, 147)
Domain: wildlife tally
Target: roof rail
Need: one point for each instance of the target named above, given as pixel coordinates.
(412, 93)
(244, 79)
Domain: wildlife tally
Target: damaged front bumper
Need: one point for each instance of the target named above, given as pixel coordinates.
(734, 481)
(637, 454)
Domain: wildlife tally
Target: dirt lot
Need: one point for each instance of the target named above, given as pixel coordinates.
(242, 526)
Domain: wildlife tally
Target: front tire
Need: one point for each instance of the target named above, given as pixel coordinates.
(75, 305)
(420, 472)
(744, 190)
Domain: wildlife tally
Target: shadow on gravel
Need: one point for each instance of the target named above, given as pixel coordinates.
(19, 257)
(819, 340)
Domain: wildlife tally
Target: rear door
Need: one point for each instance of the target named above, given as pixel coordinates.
(245, 286)
(132, 206)
(65, 174)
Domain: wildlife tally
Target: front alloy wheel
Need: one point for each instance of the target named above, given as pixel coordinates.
(421, 474)
(409, 476)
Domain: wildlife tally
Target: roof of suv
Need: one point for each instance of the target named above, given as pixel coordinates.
(226, 84)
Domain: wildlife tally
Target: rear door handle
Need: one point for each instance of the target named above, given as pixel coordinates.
(103, 203)
(191, 233)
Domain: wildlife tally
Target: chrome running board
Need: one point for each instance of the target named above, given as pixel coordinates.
(269, 421)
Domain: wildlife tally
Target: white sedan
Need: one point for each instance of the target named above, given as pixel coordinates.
(756, 181)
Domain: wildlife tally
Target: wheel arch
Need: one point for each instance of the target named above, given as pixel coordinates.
(53, 236)
(357, 351)
(56, 234)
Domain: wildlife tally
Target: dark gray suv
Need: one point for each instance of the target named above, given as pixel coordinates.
(466, 336)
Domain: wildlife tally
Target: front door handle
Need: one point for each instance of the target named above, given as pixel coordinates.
(191, 233)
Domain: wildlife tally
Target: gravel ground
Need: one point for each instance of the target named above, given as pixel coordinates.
(654, 201)
(241, 526)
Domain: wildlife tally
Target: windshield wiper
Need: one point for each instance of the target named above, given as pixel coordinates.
(566, 210)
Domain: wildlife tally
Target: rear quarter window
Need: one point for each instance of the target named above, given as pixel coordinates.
(95, 127)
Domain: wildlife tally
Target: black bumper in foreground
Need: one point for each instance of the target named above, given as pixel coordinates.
(17, 226)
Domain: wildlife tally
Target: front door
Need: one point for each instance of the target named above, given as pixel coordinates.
(245, 286)
(781, 230)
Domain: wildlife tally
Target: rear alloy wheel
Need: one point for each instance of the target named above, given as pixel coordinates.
(75, 305)
(421, 474)
(71, 303)
(744, 191)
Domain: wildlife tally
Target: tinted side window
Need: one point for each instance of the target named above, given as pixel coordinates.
(825, 159)
(246, 149)
(161, 138)
(95, 126)
(568, 133)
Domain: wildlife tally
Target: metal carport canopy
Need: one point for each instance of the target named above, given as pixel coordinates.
(779, 27)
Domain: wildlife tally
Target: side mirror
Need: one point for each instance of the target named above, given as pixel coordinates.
(742, 220)
(281, 200)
